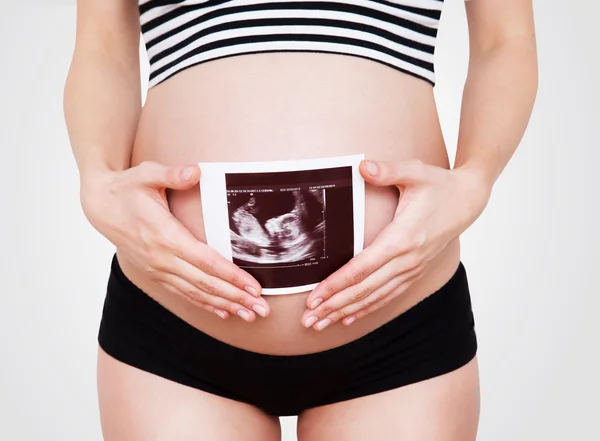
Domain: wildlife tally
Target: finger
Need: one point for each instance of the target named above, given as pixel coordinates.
(221, 313)
(392, 173)
(185, 246)
(380, 285)
(197, 296)
(395, 289)
(379, 298)
(351, 294)
(352, 273)
(378, 253)
(168, 176)
(217, 287)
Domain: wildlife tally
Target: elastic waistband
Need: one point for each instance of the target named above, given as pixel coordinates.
(448, 305)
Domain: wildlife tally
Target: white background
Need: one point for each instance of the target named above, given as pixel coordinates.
(532, 258)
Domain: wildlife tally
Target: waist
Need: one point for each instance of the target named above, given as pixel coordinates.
(292, 106)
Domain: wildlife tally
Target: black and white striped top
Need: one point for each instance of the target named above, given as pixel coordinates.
(182, 33)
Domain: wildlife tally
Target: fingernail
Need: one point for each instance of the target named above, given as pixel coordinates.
(349, 320)
(252, 291)
(260, 310)
(310, 321)
(221, 313)
(187, 173)
(244, 314)
(371, 168)
(315, 303)
(323, 324)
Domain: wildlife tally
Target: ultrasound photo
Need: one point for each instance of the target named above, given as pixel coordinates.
(277, 227)
(291, 228)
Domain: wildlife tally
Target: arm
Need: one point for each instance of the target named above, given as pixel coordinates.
(102, 94)
(437, 205)
(500, 88)
(128, 205)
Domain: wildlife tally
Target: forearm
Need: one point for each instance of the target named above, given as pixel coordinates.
(102, 103)
(497, 102)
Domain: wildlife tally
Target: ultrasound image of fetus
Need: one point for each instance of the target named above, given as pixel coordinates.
(280, 227)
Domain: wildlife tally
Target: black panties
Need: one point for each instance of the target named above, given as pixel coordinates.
(434, 337)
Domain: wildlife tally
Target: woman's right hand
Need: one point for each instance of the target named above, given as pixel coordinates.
(130, 209)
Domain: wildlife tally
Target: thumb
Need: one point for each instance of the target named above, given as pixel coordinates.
(391, 173)
(176, 177)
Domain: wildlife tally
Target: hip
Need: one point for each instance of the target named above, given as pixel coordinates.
(282, 332)
(434, 337)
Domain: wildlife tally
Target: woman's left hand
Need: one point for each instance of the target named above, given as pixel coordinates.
(436, 205)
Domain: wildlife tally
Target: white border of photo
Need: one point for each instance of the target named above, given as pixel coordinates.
(213, 194)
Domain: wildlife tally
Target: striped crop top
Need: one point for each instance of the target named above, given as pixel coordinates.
(182, 33)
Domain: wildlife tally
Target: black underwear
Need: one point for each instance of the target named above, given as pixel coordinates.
(434, 337)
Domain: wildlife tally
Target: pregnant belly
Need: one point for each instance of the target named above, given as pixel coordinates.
(285, 106)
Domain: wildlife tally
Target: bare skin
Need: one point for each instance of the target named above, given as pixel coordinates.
(269, 107)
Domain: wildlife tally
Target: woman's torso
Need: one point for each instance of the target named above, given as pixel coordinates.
(275, 106)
